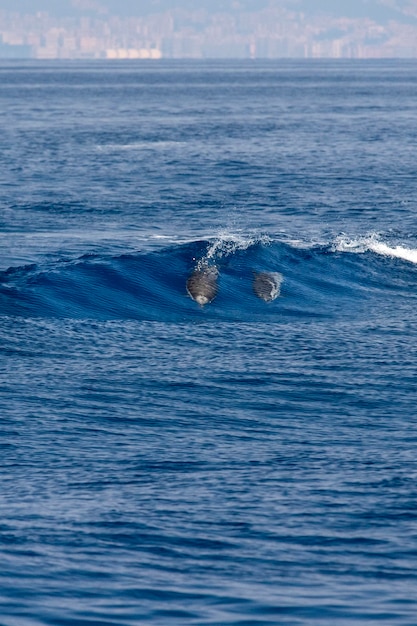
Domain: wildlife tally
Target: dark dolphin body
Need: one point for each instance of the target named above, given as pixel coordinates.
(266, 285)
(202, 284)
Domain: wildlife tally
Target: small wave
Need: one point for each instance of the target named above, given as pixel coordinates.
(317, 281)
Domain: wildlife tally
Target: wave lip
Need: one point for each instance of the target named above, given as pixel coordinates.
(398, 252)
(373, 244)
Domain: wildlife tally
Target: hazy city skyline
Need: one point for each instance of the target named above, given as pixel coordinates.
(154, 29)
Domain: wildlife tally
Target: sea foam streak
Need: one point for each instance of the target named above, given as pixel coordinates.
(371, 243)
(399, 252)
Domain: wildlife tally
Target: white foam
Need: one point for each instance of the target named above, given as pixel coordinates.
(139, 145)
(398, 251)
(359, 245)
(228, 243)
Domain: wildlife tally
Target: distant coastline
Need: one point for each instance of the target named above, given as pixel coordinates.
(267, 32)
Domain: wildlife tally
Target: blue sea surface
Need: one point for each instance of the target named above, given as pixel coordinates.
(240, 463)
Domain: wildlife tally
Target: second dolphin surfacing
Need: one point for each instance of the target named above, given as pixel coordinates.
(202, 284)
(267, 285)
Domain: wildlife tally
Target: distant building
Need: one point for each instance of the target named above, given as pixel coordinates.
(14, 51)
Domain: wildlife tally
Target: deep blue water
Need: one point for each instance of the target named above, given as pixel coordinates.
(238, 463)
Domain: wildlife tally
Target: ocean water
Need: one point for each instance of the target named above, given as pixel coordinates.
(239, 463)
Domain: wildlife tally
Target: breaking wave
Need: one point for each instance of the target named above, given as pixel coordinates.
(343, 277)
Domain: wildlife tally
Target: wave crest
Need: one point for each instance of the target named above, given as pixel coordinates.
(372, 243)
(227, 244)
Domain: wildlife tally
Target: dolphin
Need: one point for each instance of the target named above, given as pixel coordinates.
(202, 284)
(267, 285)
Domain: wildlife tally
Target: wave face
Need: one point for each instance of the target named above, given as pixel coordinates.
(345, 277)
